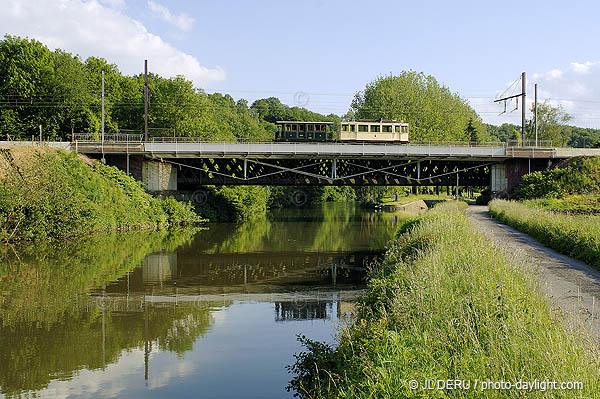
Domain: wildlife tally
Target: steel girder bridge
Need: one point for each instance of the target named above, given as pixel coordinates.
(336, 164)
(336, 172)
(233, 162)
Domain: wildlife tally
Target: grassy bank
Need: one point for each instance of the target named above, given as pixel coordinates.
(575, 204)
(47, 193)
(445, 304)
(574, 235)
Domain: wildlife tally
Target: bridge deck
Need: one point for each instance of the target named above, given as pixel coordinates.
(211, 149)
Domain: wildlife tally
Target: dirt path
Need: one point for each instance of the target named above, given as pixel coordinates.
(573, 286)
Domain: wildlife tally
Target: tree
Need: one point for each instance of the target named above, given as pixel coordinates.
(551, 123)
(471, 132)
(432, 110)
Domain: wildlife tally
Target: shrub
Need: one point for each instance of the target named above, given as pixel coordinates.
(578, 175)
(54, 194)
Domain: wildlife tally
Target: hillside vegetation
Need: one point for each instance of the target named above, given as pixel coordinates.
(47, 193)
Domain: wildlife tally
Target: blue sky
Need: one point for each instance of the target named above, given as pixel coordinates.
(331, 49)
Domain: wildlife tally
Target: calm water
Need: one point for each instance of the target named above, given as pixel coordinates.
(185, 313)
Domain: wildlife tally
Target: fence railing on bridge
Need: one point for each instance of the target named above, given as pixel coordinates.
(139, 138)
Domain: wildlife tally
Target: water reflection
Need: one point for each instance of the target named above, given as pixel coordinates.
(181, 312)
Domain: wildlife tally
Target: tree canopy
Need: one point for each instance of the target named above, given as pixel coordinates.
(552, 124)
(60, 92)
(432, 110)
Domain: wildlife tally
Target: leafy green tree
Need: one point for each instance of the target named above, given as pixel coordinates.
(552, 121)
(432, 110)
(471, 132)
(26, 77)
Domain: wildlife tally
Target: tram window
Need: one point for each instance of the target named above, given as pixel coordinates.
(397, 128)
(310, 127)
(300, 128)
(363, 128)
(375, 128)
(352, 128)
(344, 128)
(294, 128)
(404, 129)
(288, 128)
(386, 128)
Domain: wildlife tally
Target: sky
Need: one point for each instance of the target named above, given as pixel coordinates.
(319, 53)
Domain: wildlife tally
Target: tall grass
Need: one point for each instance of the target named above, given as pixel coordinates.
(573, 235)
(445, 304)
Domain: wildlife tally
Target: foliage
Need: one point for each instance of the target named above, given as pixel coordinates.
(234, 203)
(272, 110)
(471, 132)
(61, 92)
(577, 175)
(55, 194)
(444, 305)
(551, 124)
(506, 132)
(432, 110)
(576, 236)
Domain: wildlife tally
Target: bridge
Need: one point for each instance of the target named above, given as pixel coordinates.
(181, 164)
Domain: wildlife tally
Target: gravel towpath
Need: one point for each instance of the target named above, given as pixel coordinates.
(573, 286)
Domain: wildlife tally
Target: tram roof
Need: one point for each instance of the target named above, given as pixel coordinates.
(320, 123)
(372, 121)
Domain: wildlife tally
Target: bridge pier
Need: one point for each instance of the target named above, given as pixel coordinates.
(159, 177)
(505, 176)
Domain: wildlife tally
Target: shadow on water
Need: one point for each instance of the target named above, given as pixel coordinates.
(106, 312)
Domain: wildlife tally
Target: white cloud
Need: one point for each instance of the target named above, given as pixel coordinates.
(90, 28)
(116, 4)
(182, 21)
(576, 87)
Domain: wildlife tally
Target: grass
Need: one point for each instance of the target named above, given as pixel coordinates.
(445, 304)
(574, 235)
(569, 204)
(50, 194)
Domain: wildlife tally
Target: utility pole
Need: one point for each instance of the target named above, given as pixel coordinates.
(145, 100)
(103, 160)
(523, 84)
(522, 95)
(535, 113)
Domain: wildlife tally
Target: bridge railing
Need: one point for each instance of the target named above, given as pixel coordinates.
(139, 138)
(108, 138)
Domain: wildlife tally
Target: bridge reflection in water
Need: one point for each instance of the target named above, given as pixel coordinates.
(95, 315)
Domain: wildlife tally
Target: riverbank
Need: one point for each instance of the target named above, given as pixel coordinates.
(52, 194)
(446, 305)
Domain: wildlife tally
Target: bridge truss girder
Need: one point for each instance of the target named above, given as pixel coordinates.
(329, 172)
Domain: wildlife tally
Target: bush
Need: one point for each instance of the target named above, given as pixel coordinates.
(234, 203)
(578, 175)
(55, 194)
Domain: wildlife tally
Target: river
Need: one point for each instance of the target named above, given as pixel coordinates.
(182, 313)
